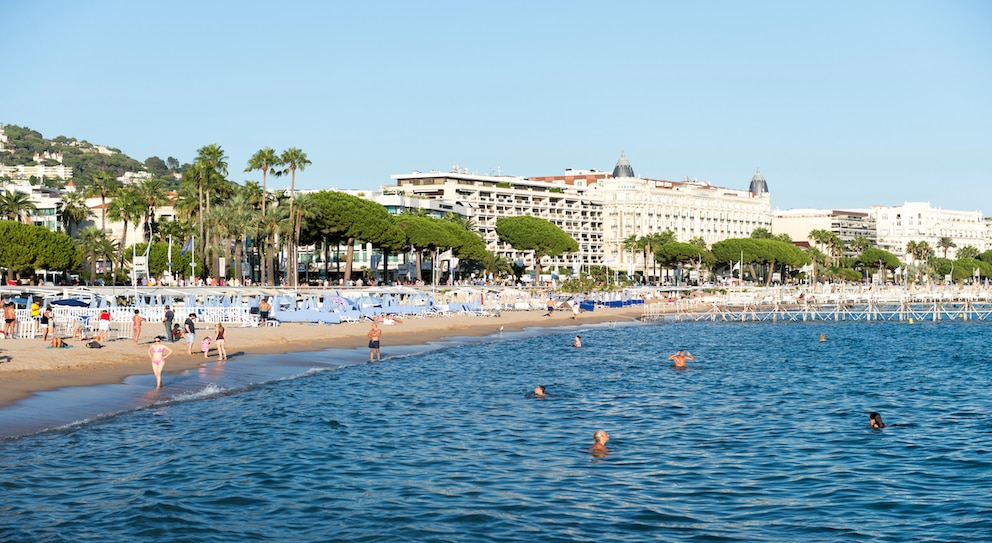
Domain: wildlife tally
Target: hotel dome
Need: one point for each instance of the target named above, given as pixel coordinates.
(758, 184)
(623, 169)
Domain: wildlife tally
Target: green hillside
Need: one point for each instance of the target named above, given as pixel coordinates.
(85, 158)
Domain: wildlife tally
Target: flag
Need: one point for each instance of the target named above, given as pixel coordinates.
(187, 248)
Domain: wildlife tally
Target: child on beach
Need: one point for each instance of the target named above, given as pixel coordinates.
(205, 346)
(177, 332)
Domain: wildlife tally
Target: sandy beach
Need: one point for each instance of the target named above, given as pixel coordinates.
(28, 365)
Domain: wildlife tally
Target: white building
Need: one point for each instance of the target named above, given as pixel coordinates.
(918, 221)
(846, 224)
(635, 206)
(600, 210)
(570, 207)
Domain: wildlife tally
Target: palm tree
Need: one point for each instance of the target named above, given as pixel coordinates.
(631, 244)
(73, 210)
(859, 244)
(103, 185)
(127, 207)
(88, 241)
(16, 206)
(210, 163)
(263, 160)
(293, 159)
(946, 243)
(152, 194)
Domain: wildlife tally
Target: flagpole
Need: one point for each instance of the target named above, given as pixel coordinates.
(192, 259)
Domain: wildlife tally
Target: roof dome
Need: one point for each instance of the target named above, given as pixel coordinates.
(623, 169)
(758, 184)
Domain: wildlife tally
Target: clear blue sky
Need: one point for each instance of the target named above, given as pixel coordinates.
(841, 104)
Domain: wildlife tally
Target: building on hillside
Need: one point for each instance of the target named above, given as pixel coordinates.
(47, 202)
(39, 171)
(847, 225)
(918, 221)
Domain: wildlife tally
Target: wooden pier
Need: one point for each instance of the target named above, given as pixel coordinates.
(909, 309)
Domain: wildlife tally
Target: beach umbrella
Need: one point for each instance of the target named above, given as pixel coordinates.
(70, 302)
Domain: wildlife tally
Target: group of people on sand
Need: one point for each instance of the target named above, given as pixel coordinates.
(158, 352)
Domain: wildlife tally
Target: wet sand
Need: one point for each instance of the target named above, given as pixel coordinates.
(28, 366)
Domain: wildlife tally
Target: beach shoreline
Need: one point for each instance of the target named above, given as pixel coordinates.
(28, 366)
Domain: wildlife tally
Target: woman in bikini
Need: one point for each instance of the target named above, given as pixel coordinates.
(158, 353)
(219, 340)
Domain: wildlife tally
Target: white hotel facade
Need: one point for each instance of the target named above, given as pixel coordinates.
(598, 209)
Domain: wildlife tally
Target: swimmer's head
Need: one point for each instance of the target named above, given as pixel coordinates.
(539, 390)
(601, 437)
(875, 420)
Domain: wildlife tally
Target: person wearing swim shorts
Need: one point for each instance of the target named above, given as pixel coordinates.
(263, 312)
(374, 335)
(158, 353)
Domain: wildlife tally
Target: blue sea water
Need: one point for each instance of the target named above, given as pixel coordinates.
(764, 437)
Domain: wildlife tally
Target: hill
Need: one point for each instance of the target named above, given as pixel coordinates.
(84, 158)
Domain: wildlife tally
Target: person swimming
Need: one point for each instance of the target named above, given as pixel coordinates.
(600, 437)
(875, 420)
(680, 357)
(539, 391)
(577, 342)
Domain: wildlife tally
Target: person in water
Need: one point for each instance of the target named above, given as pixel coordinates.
(875, 420)
(539, 391)
(680, 357)
(158, 353)
(823, 337)
(600, 437)
(577, 342)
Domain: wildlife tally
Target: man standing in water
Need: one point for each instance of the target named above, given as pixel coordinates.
(374, 334)
(680, 357)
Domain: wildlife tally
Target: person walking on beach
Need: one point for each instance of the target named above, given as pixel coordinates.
(158, 353)
(219, 340)
(189, 332)
(47, 324)
(374, 334)
(136, 325)
(680, 357)
(170, 316)
(598, 449)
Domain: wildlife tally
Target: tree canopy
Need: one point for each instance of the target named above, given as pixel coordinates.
(534, 234)
(27, 248)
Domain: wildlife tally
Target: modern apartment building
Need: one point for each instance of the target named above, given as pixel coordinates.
(846, 224)
(571, 207)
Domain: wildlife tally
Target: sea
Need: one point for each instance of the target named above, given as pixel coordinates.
(763, 437)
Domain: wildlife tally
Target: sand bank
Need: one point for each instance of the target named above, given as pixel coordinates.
(27, 365)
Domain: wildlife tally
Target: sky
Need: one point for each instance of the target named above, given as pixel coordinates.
(842, 105)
